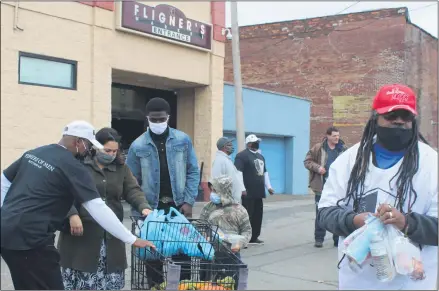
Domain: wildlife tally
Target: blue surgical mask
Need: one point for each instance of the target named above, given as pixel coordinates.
(215, 198)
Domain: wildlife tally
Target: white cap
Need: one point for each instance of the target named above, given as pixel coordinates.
(82, 129)
(252, 138)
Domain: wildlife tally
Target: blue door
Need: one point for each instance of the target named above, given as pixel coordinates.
(273, 150)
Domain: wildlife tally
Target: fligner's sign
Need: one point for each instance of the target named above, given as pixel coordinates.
(165, 21)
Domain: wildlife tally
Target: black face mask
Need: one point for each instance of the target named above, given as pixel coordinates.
(394, 138)
(255, 146)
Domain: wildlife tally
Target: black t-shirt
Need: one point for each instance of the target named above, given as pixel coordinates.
(165, 180)
(252, 166)
(45, 182)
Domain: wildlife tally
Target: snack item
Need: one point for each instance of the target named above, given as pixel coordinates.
(418, 272)
(358, 249)
(357, 243)
(407, 258)
(347, 241)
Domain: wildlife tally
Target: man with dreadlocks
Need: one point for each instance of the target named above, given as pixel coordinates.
(393, 175)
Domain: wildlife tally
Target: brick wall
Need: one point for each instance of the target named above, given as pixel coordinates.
(421, 73)
(338, 62)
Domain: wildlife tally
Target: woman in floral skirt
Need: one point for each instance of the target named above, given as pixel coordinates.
(91, 258)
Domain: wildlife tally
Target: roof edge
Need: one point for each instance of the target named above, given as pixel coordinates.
(268, 91)
(330, 16)
(421, 29)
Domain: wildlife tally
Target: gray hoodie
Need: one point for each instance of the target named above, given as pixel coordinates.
(223, 165)
(229, 216)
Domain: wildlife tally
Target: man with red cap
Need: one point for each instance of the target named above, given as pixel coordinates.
(392, 175)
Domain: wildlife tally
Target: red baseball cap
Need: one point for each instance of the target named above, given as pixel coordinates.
(394, 97)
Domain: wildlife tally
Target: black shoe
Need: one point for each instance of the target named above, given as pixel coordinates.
(336, 244)
(318, 244)
(256, 242)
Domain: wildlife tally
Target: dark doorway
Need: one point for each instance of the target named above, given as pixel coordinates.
(128, 110)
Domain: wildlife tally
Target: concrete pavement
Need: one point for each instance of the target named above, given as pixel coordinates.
(287, 261)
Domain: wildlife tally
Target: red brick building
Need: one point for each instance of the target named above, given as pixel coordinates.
(339, 62)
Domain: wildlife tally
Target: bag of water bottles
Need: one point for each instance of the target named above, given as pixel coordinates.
(386, 249)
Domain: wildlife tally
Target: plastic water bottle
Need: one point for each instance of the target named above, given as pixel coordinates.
(381, 259)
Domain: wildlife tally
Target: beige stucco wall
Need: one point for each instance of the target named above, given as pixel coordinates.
(34, 115)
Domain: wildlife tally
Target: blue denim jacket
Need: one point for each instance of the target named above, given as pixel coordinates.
(143, 160)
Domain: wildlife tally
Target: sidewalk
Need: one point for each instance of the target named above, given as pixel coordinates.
(268, 201)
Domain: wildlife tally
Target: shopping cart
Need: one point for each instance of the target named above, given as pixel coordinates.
(222, 271)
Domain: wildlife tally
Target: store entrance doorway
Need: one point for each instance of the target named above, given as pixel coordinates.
(128, 110)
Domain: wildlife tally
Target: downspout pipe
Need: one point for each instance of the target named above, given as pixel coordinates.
(16, 7)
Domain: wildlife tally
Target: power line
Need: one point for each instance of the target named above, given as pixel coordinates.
(352, 5)
(422, 7)
(409, 10)
(373, 20)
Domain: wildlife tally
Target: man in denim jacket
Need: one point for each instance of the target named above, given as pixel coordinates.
(163, 161)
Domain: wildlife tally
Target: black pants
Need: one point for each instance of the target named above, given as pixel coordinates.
(36, 269)
(320, 232)
(154, 269)
(255, 209)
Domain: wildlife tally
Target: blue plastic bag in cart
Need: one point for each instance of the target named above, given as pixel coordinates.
(186, 238)
(152, 230)
(173, 234)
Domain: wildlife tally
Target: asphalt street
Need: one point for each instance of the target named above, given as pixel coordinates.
(287, 260)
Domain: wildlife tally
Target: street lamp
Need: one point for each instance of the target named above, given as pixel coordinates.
(227, 33)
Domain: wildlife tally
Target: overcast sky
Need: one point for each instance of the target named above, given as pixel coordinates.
(423, 14)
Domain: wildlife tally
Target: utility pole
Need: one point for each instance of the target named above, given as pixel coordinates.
(239, 108)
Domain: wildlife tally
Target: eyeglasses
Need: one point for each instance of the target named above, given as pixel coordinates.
(404, 115)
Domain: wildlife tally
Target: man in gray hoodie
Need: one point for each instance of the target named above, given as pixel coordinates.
(223, 165)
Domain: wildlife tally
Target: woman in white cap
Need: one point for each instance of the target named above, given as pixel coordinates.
(37, 191)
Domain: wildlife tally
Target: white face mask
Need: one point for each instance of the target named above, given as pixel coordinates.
(158, 128)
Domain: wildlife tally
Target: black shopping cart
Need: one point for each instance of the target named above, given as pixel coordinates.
(219, 270)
